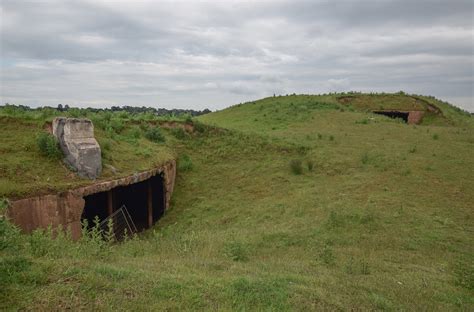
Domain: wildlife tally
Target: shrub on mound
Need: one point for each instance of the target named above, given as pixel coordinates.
(154, 134)
(48, 146)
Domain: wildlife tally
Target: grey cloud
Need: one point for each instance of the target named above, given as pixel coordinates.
(215, 53)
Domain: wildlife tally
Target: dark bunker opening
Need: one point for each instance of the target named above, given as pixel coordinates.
(145, 203)
(394, 114)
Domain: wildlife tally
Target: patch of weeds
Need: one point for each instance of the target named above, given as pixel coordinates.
(9, 234)
(367, 218)
(105, 149)
(92, 238)
(41, 242)
(412, 150)
(154, 134)
(168, 289)
(111, 273)
(380, 302)
(303, 149)
(236, 251)
(364, 268)
(116, 125)
(183, 294)
(357, 267)
(296, 166)
(145, 152)
(48, 146)
(106, 145)
(310, 165)
(135, 133)
(73, 272)
(331, 138)
(199, 127)
(362, 122)
(320, 136)
(327, 256)
(435, 136)
(260, 295)
(282, 239)
(335, 220)
(406, 172)
(185, 163)
(365, 158)
(179, 133)
(350, 267)
(12, 268)
(464, 273)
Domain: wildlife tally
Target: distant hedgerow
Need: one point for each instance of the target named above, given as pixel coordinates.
(154, 134)
(48, 146)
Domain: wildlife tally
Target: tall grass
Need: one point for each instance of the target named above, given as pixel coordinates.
(48, 145)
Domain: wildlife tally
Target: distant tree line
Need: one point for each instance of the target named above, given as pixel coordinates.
(129, 109)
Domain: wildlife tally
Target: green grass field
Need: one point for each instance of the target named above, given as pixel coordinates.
(379, 216)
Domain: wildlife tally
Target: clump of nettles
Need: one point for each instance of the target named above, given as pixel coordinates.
(48, 146)
(154, 134)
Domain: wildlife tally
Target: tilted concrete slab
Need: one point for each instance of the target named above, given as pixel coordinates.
(80, 148)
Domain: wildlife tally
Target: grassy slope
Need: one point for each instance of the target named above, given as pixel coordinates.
(25, 172)
(384, 221)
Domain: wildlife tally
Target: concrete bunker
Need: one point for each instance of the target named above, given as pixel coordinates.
(409, 117)
(146, 194)
(145, 202)
(394, 114)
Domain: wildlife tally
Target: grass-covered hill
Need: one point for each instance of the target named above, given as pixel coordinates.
(26, 170)
(303, 203)
(274, 113)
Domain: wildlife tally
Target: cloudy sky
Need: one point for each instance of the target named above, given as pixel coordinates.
(212, 54)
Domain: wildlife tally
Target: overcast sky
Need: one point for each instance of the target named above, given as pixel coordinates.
(212, 54)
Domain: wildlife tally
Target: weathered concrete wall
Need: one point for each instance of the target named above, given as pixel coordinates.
(40, 212)
(415, 117)
(66, 208)
(80, 148)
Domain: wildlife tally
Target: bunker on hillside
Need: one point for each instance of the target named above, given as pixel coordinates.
(410, 117)
(394, 114)
(134, 202)
(146, 195)
(145, 203)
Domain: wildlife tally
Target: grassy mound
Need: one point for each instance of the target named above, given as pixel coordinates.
(309, 208)
(30, 165)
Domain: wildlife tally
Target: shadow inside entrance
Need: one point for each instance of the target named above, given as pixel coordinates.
(145, 202)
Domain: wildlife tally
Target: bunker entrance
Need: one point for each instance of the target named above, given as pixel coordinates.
(145, 202)
(394, 114)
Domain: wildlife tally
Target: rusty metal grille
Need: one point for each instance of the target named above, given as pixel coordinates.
(122, 224)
